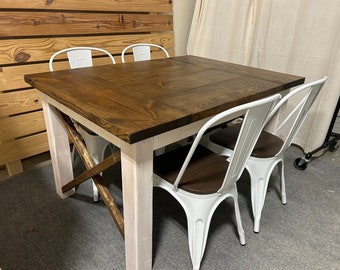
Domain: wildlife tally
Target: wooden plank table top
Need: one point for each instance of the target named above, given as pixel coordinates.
(140, 107)
(135, 101)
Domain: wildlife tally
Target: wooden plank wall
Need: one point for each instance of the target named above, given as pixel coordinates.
(31, 31)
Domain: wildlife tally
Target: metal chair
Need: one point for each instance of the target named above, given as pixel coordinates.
(142, 51)
(79, 57)
(200, 179)
(271, 146)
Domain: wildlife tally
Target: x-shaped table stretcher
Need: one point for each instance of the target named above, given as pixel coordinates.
(93, 171)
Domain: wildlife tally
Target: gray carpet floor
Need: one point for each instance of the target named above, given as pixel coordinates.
(38, 230)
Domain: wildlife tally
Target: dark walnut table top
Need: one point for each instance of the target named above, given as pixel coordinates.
(138, 100)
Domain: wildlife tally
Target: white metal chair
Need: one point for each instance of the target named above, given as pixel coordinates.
(200, 179)
(271, 146)
(79, 57)
(142, 51)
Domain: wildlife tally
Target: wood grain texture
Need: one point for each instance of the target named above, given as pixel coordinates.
(12, 77)
(31, 31)
(21, 125)
(23, 148)
(19, 102)
(16, 24)
(14, 167)
(97, 179)
(142, 99)
(30, 50)
(90, 5)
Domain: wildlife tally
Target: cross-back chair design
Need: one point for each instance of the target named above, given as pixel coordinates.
(271, 146)
(142, 51)
(79, 57)
(200, 180)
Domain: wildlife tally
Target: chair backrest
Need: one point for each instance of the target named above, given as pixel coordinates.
(292, 122)
(79, 56)
(255, 114)
(142, 51)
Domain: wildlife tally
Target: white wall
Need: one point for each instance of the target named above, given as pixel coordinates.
(183, 11)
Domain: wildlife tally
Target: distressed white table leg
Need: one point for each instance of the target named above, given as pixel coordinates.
(59, 149)
(137, 170)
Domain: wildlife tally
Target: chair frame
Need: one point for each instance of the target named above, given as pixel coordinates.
(72, 58)
(141, 51)
(259, 168)
(199, 208)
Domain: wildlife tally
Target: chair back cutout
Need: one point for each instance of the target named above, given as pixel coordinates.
(79, 57)
(142, 51)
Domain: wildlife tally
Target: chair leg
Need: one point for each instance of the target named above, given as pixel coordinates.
(199, 213)
(283, 182)
(259, 175)
(258, 192)
(198, 228)
(99, 147)
(73, 154)
(238, 218)
(96, 146)
(95, 192)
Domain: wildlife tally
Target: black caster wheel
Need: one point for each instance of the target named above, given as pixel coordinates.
(300, 164)
(333, 147)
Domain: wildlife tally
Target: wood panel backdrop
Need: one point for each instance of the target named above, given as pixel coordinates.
(31, 31)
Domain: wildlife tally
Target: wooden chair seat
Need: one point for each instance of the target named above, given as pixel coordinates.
(268, 145)
(195, 180)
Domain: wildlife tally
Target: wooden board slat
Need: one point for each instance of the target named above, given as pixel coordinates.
(21, 125)
(41, 49)
(12, 77)
(16, 24)
(23, 148)
(99, 5)
(19, 102)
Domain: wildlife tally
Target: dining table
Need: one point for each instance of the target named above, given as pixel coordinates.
(141, 107)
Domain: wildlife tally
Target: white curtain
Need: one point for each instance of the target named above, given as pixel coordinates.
(300, 37)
